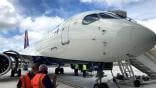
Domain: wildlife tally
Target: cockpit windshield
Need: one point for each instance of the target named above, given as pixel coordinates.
(94, 17)
(106, 16)
(90, 19)
(103, 15)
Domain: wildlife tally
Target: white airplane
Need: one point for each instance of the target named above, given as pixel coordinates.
(93, 36)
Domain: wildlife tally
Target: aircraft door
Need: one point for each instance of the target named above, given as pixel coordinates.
(65, 35)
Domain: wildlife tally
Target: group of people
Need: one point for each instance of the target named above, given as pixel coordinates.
(82, 67)
(37, 78)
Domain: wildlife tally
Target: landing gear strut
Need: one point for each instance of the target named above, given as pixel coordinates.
(100, 75)
(59, 70)
(16, 69)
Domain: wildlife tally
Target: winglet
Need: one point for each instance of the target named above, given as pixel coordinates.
(26, 40)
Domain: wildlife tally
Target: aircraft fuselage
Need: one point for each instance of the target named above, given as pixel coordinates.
(103, 40)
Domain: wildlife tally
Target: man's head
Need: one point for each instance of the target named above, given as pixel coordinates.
(35, 67)
(43, 68)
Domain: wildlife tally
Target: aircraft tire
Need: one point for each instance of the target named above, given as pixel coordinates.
(61, 71)
(137, 83)
(56, 71)
(19, 72)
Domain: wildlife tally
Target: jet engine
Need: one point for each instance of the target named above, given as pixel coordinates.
(5, 64)
(8, 60)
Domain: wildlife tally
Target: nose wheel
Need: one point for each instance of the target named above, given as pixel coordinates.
(59, 70)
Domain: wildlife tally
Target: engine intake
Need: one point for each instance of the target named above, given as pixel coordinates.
(5, 64)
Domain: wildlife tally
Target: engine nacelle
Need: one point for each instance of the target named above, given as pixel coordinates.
(5, 64)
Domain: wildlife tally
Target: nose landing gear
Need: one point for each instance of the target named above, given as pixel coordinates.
(59, 70)
(100, 75)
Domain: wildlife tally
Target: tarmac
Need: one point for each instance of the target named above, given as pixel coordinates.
(68, 80)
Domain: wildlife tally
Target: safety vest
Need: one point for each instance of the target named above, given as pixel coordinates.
(37, 80)
(26, 82)
(84, 67)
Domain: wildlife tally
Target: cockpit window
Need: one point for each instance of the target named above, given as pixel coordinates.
(106, 16)
(90, 19)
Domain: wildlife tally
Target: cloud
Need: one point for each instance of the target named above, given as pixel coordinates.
(143, 10)
(40, 23)
(149, 24)
(39, 26)
(89, 1)
(37, 29)
(115, 3)
(9, 18)
(14, 43)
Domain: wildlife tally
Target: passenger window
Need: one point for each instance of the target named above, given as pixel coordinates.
(105, 16)
(90, 19)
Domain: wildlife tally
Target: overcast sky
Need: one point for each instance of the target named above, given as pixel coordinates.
(40, 16)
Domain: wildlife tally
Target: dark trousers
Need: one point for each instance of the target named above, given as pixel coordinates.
(76, 72)
(84, 73)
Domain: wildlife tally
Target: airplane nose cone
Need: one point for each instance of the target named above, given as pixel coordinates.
(137, 38)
